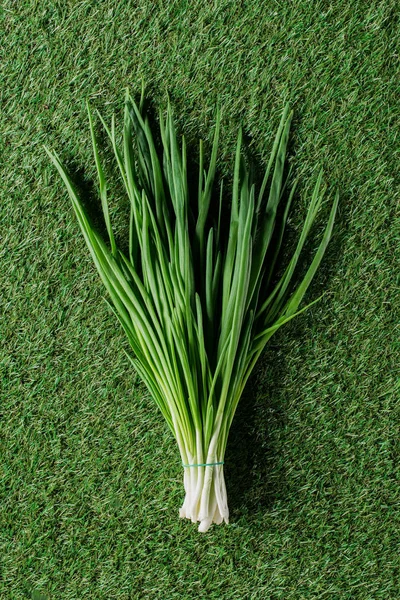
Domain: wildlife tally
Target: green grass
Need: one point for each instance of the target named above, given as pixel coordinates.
(91, 477)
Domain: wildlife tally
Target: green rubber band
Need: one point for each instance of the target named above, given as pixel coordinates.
(204, 464)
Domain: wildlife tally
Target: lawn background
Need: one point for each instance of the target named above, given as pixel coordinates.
(91, 480)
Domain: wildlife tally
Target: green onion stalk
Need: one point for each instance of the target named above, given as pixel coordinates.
(201, 287)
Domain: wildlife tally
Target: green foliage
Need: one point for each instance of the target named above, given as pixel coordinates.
(197, 297)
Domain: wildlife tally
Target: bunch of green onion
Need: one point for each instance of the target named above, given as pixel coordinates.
(197, 294)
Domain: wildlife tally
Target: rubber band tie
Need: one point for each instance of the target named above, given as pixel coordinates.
(204, 464)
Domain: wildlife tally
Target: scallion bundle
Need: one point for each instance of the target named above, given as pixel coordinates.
(197, 293)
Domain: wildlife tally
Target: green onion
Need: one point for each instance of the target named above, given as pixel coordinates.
(197, 294)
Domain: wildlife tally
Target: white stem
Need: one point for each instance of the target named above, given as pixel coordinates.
(205, 499)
